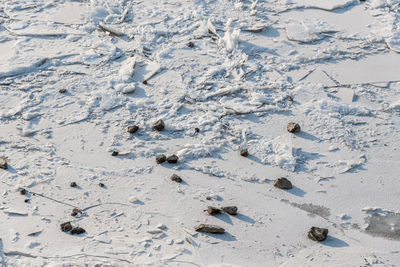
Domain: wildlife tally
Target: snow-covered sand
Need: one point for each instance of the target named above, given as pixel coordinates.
(237, 70)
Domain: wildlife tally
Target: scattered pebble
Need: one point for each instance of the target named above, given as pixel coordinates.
(283, 183)
(209, 228)
(73, 184)
(76, 212)
(101, 185)
(244, 152)
(197, 130)
(161, 158)
(213, 210)
(65, 227)
(290, 98)
(318, 234)
(77, 231)
(133, 129)
(190, 44)
(114, 153)
(62, 91)
(172, 159)
(3, 163)
(26, 200)
(144, 82)
(232, 210)
(23, 191)
(176, 178)
(293, 127)
(159, 125)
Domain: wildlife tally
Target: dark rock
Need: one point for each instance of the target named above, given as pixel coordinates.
(190, 44)
(65, 227)
(213, 210)
(293, 127)
(244, 152)
(172, 159)
(3, 163)
(159, 125)
(232, 210)
(290, 99)
(133, 129)
(209, 228)
(176, 178)
(62, 91)
(23, 191)
(144, 82)
(26, 200)
(318, 234)
(114, 153)
(76, 212)
(73, 184)
(283, 183)
(77, 231)
(101, 185)
(197, 130)
(161, 158)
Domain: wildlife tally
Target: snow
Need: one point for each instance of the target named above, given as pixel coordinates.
(223, 75)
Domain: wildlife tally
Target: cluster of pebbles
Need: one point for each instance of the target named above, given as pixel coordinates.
(315, 233)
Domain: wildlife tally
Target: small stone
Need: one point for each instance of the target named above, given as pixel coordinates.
(190, 44)
(318, 234)
(176, 178)
(209, 228)
(232, 210)
(101, 185)
(3, 163)
(172, 159)
(244, 152)
(144, 82)
(293, 127)
(65, 227)
(73, 184)
(197, 130)
(26, 200)
(76, 212)
(62, 91)
(133, 129)
(290, 99)
(283, 183)
(114, 153)
(23, 191)
(77, 231)
(213, 210)
(161, 158)
(159, 125)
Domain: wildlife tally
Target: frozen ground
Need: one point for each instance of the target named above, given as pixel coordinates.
(332, 66)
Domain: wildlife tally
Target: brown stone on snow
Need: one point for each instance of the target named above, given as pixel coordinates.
(209, 228)
(132, 129)
(213, 210)
(283, 183)
(176, 178)
(3, 163)
(159, 125)
(172, 159)
(65, 227)
(77, 231)
(318, 234)
(161, 158)
(244, 152)
(232, 210)
(293, 127)
(76, 212)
